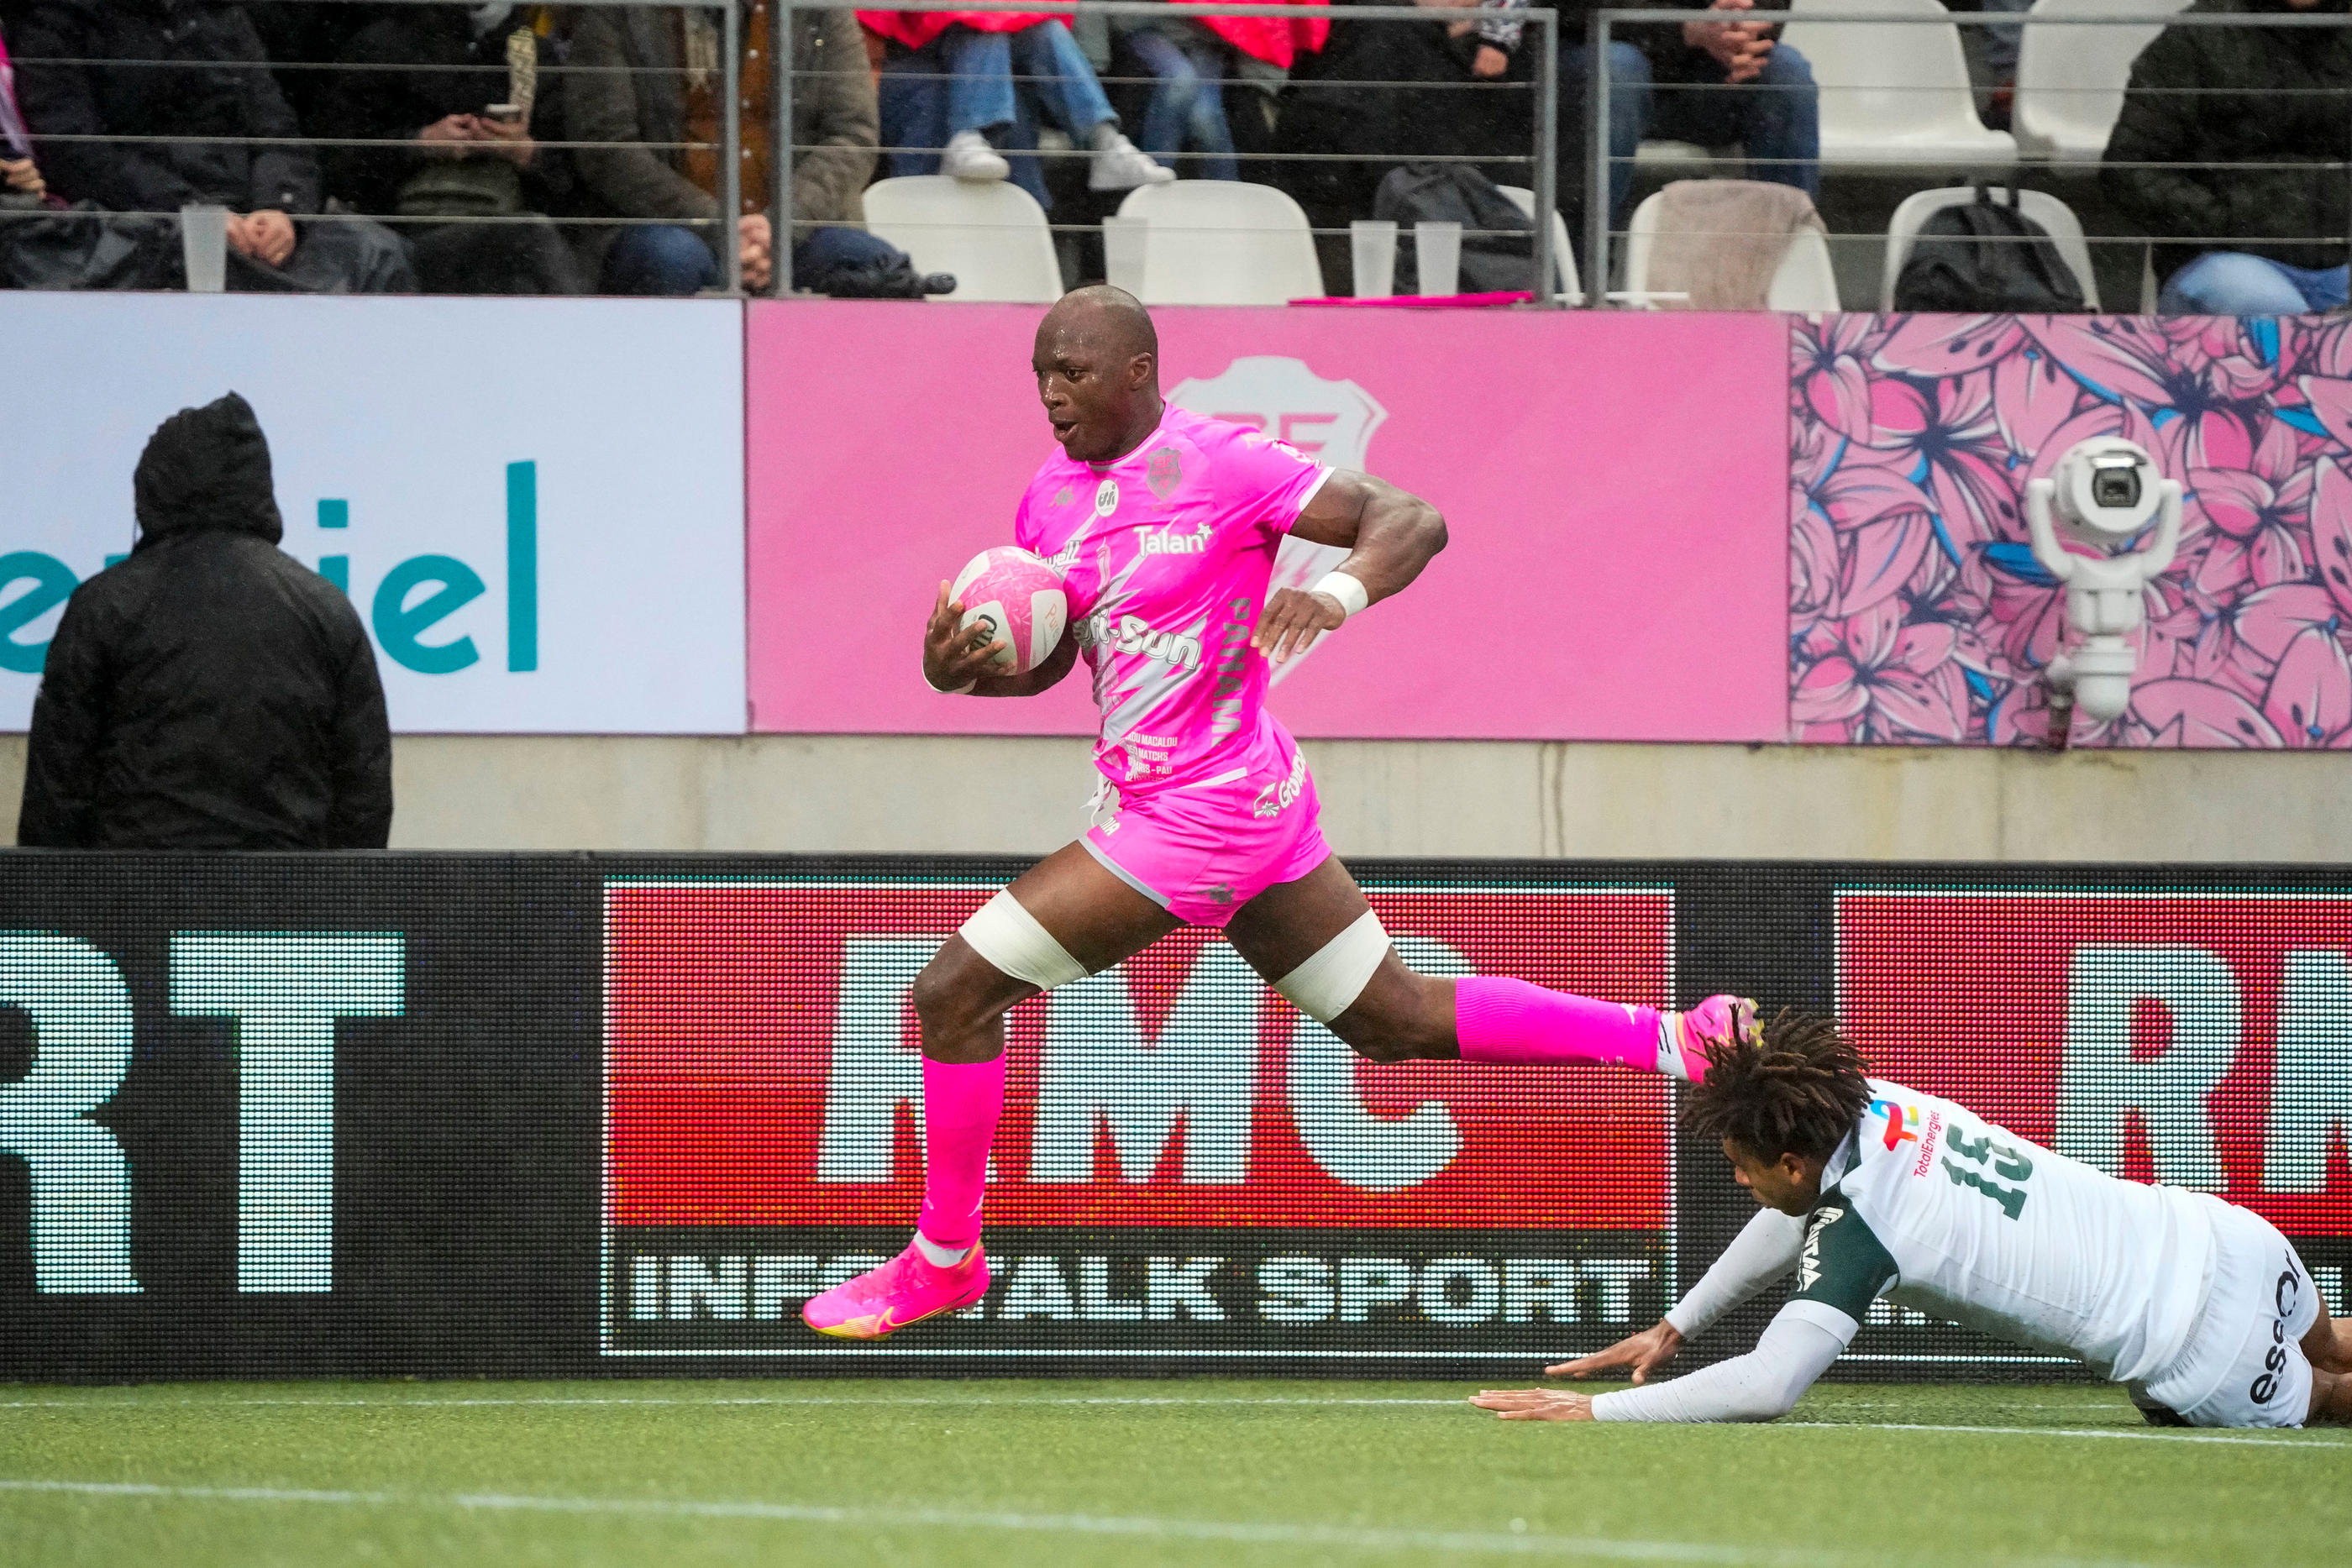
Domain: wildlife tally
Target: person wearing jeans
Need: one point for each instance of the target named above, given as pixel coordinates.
(2228, 155)
(2234, 283)
(957, 90)
(1187, 107)
(1776, 125)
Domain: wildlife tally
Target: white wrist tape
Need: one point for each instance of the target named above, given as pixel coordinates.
(951, 691)
(1346, 590)
(1010, 937)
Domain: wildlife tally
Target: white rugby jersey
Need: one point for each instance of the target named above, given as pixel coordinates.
(1941, 1210)
(1936, 1208)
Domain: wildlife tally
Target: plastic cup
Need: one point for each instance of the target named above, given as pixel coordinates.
(203, 247)
(1126, 242)
(1437, 257)
(1373, 242)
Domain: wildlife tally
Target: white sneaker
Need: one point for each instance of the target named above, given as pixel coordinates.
(969, 156)
(1119, 164)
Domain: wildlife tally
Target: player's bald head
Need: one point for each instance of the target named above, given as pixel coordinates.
(1109, 320)
(1098, 365)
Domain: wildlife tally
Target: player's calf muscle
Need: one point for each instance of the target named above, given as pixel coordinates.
(2331, 1400)
(961, 1001)
(1401, 1017)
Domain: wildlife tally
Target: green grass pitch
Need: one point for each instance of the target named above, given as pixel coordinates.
(1192, 1471)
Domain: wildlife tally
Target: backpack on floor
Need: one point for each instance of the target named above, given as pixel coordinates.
(1984, 255)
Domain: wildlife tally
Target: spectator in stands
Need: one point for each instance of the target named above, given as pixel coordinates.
(453, 94)
(208, 693)
(301, 38)
(1667, 81)
(202, 80)
(952, 84)
(2235, 137)
(20, 175)
(1187, 64)
(652, 75)
(1190, 60)
(1429, 102)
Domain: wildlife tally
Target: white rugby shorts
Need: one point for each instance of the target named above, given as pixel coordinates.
(2243, 1364)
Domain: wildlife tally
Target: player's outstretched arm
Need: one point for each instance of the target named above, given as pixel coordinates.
(1643, 1354)
(1390, 535)
(1762, 1385)
(956, 657)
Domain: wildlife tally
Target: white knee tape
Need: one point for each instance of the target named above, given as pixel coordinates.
(1009, 937)
(1328, 984)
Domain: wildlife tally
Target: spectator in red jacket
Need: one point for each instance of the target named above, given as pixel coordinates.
(956, 89)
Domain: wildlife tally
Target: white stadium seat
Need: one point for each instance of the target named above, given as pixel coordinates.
(2070, 80)
(1220, 242)
(1894, 92)
(1564, 257)
(1805, 281)
(992, 236)
(2066, 231)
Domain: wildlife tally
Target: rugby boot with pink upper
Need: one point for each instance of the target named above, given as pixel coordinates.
(907, 1289)
(1683, 1038)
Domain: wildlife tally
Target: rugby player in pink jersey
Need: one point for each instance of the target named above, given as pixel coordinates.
(1164, 525)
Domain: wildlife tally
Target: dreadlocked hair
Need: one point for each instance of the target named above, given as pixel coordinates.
(1798, 1087)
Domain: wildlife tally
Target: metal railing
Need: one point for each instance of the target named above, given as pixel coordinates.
(1605, 26)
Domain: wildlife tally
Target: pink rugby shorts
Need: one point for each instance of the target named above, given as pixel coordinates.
(1201, 850)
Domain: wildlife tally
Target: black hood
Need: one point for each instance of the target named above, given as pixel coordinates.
(206, 468)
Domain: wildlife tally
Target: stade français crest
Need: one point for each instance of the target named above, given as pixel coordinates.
(1329, 421)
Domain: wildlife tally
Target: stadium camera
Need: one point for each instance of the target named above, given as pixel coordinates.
(2106, 491)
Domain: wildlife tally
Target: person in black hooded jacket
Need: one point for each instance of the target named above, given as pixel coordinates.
(2268, 235)
(208, 693)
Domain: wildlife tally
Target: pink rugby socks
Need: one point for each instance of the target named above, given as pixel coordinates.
(1505, 1021)
(961, 1100)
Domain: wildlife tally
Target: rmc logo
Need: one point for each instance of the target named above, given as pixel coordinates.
(284, 991)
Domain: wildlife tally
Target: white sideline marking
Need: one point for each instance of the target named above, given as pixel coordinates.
(2152, 1435)
(980, 1403)
(984, 1402)
(1473, 1543)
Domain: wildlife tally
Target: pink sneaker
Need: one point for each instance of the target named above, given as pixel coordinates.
(1683, 1038)
(907, 1289)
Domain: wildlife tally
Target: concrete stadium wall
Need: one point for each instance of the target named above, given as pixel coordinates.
(1570, 800)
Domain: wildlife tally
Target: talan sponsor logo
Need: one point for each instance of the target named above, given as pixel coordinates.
(1166, 542)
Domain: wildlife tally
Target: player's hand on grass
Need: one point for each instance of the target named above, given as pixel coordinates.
(1644, 1352)
(954, 654)
(1293, 620)
(1535, 1404)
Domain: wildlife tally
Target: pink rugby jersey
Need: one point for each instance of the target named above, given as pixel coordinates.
(1165, 554)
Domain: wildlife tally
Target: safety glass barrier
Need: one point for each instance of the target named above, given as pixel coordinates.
(2083, 155)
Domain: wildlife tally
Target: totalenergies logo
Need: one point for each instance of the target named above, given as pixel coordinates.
(1902, 1122)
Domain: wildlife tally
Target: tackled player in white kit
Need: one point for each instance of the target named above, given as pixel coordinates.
(2199, 1308)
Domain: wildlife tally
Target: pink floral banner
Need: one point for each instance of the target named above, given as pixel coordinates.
(1917, 614)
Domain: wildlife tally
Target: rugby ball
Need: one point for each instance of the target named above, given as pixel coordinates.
(1020, 598)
